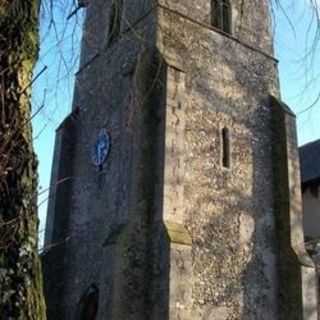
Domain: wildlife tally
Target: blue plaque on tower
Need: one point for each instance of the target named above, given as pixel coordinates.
(101, 148)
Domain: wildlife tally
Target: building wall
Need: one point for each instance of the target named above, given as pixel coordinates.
(162, 228)
(100, 200)
(311, 213)
(228, 212)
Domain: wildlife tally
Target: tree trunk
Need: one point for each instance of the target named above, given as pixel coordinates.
(20, 271)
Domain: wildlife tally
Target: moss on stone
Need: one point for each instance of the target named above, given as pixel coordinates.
(178, 233)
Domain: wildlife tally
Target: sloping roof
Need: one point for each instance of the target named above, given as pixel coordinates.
(310, 161)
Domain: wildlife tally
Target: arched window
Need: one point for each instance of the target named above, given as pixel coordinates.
(221, 15)
(88, 304)
(225, 140)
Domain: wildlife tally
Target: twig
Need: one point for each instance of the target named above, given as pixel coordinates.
(35, 79)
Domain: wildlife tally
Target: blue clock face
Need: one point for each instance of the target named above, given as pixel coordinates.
(101, 148)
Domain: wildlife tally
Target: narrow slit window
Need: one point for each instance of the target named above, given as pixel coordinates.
(221, 15)
(225, 148)
(115, 21)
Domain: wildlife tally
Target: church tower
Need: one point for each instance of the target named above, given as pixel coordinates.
(175, 183)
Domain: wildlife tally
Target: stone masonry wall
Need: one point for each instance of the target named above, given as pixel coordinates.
(103, 200)
(228, 212)
(163, 229)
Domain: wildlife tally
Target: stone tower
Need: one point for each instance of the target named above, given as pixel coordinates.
(175, 185)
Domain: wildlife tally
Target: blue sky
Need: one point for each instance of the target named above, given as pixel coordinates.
(299, 70)
(53, 91)
(298, 52)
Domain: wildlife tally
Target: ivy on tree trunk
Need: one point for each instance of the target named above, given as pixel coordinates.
(20, 271)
